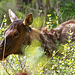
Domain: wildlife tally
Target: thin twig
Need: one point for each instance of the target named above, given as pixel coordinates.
(20, 62)
(48, 61)
(2, 22)
(10, 65)
(4, 48)
(5, 69)
(3, 56)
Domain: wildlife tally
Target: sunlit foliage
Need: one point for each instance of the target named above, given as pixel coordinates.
(34, 60)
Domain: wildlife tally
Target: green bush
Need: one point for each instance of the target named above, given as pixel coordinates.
(37, 63)
(67, 10)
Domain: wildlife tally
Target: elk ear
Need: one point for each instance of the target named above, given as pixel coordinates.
(12, 16)
(28, 20)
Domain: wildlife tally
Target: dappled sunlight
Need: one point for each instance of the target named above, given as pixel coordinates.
(35, 57)
(40, 43)
(38, 22)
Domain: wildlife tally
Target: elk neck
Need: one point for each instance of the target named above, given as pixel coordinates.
(47, 41)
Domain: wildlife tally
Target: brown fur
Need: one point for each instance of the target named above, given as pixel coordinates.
(63, 29)
(19, 33)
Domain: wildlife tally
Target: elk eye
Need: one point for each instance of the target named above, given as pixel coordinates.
(16, 34)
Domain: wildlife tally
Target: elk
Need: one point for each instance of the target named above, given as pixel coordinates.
(20, 33)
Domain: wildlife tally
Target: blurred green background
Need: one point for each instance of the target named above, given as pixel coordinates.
(46, 13)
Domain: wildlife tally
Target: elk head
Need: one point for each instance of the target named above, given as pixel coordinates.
(15, 34)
